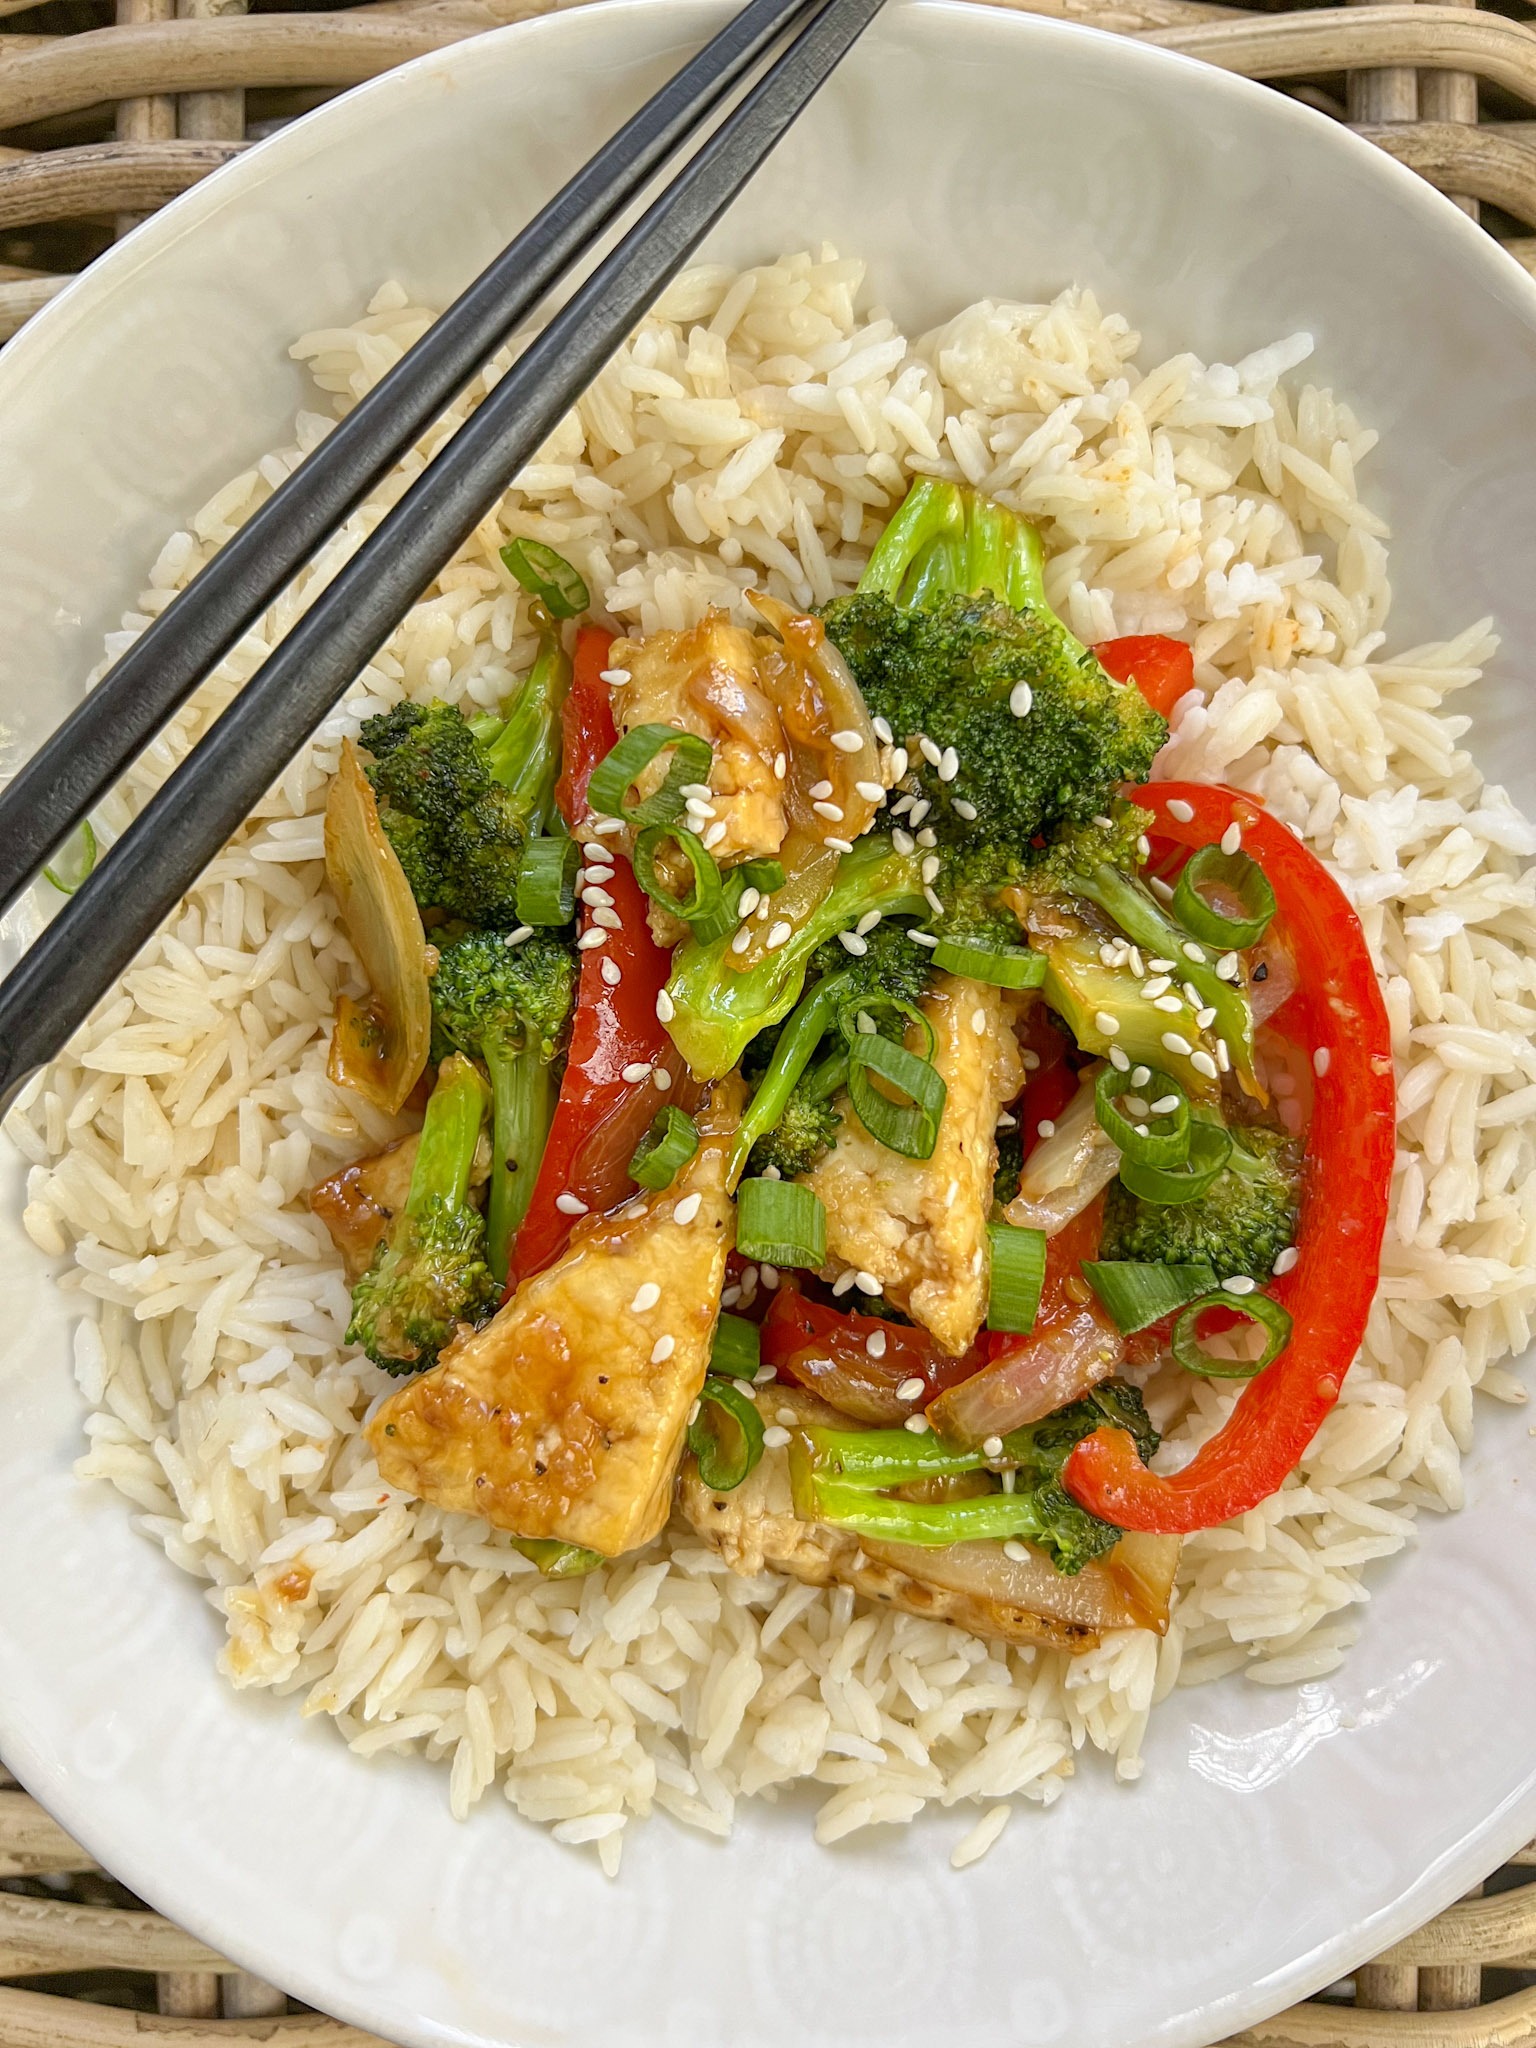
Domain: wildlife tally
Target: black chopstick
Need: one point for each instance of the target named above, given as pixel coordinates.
(94, 938)
(77, 764)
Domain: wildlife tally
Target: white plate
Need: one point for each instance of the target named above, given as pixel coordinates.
(1278, 1837)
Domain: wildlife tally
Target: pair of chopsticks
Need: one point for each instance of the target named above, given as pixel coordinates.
(136, 885)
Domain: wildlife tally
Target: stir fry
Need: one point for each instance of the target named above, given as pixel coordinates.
(850, 1084)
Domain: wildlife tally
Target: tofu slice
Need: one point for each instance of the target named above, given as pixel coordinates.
(705, 681)
(920, 1225)
(565, 1415)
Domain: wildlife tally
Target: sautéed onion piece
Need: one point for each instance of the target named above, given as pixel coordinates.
(1047, 1371)
(1130, 1588)
(1067, 1170)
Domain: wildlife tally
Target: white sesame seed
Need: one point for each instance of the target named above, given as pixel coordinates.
(911, 1389)
(1173, 1042)
(1107, 823)
(666, 1009)
(1178, 808)
(1193, 952)
(615, 675)
(979, 1023)
(516, 936)
(1015, 1551)
(965, 810)
(1118, 1059)
(715, 834)
(698, 789)
(601, 875)
(1006, 1121)
(833, 813)
(839, 845)
(874, 1343)
(588, 940)
(742, 940)
(842, 1283)
(1142, 1131)
(1137, 966)
(1239, 1283)
(1204, 1064)
(779, 934)
(1322, 1060)
(866, 1282)
(1170, 1005)
(993, 1446)
(883, 730)
(934, 903)
(608, 825)
(899, 764)
(1232, 838)
(1046, 1127)
(903, 841)
(918, 1424)
(872, 792)
(922, 938)
(917, 814)
(748, 1389)
(607, 920)
(647, 1294)
(662, 1079)
(1143, 846)
(1136, 1105)
(662, 1350)
(1288, 1260)
(949, 767)
(699, 807)
(729, 1296)
(693, 1413)
(1162, 966)
(1158, 986)
(930, 867)
(750, 899)
(1165, 1105)
(950, 1193)
(1227, 966)
(764, 910)
(594, 849)
(1008, 1477)
(1020, 698)
(597, 896)
(1223, 1057)
(1106, 1024)
(611, 972)
(570, 1205)
(687, 1209)
(1140, 1076)
(776, 1438)
(867, 923)
(927, 837)
(780, 766)
(637, 1070)
(1205, 1018)
(1161, 889)
(820, 789)
(931, 751)
(847, 741)
(852, 943)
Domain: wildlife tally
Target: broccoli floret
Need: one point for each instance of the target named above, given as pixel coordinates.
(429, 1272)
(803, 1134)
(509, 1006)
(1070, 1535)
(1241, 1224)
(459, 802)
(950, 636)
(892, 964)
(1010, 1164)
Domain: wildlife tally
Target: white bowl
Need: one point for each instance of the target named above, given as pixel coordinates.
(1278, 1837)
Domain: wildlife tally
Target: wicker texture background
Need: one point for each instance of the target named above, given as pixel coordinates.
(110, 108)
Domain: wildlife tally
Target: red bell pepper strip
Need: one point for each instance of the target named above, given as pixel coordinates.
(1338, 1012)
(1162, 669)
(600, 1117)
(827, 1349)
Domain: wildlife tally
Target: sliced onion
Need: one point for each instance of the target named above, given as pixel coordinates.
(1280, 981)
(380, 1046)
(1064, 1174)
(1106, 1594)
(816, 696)
(808, 867)
(1057, 1365)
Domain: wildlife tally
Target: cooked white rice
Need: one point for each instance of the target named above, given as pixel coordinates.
(762, 425)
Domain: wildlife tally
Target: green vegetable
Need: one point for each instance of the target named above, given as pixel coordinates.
(1246, 880)
(1004, 966)
(912, 1127)
(508, 1006)
(667, 1146)
(1136, 1294)
(726, 1435)
(630, 756)
(1258, 1308)
(782, 1221)
(1210, 1147)
(717, 1010)
(1010, 1164)
(801, 1138)
(737, 1350)
(722, 920)
(557, 1560)
(1239, 1226)
(546, 886)
(75, 862)
(1160, 1138)
(548, 577)
(430, 1272)
(703, 898)
(847, 1477)
(524, 757)
(1018, 1274)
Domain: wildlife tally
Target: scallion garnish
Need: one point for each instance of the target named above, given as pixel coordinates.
(546, 882)
(558, 1560)
(1155, 1139)
(912, 1127)
(781, 1221)
(726, 1435)
(1138, 1293)
(631, 756)
(669, 1144)
(1244, 878)
(76, 868)
(1018, 1274)
(738, 1348)
(1257, 1308)
(1210, 1146)
(704, 897)
(547, 576)
(1002, 966)
(722, 919)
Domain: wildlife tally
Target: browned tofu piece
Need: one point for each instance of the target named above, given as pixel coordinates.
(1021, 1599)
(565, 1415)
(920, 1225)
(705, 681)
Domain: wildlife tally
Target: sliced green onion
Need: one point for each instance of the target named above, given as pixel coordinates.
(858, 1018)
(763, 874)
(738, 1348)
(631, 756)
(76, 863)
(547, 576)
(1136, 1294)
(1246, 880)
(726, 1435)
(704, 897)
(912, 1127)
(719, 922)
(1018, 1274)
(669, 1144)
(781, 1221)
(1257, 1308)
(546, 882)
(1002, 966)
(1166, 1140)
(1209, 1149)
(558, 1560)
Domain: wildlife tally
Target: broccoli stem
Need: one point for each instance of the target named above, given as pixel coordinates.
(791, 1056)
(986, 1516)
(524, 757)
(523, 1095)
(1004, 555)
(946, 539)
(450, 1131)
(931, 511)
